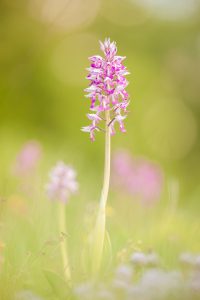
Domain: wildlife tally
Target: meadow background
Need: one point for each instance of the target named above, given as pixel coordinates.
(44, 50)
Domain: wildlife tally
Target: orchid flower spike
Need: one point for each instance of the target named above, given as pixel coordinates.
(107, 89)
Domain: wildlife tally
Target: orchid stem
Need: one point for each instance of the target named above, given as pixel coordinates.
(99, 231)
(63, 243)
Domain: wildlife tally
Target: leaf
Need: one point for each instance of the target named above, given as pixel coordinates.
(107, 253)
(59, 287)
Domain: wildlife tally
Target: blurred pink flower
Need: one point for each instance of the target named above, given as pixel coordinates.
(28, 158)
(138, 177)
(62, 183)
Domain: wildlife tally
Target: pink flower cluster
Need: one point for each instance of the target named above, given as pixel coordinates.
(138, 177)
(107, 89)
(62, 183)
(28, 158)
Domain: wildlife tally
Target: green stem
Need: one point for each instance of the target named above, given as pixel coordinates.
(63, 244)
(99, 231)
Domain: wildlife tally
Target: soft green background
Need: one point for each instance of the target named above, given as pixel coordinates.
(44, 49)
(43, 69)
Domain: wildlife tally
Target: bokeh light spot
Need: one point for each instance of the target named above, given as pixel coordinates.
(169, 129)
(70, 58)
(66, 14)
(170, 9)
(123, 13)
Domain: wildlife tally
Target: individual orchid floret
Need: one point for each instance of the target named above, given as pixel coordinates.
(91, 129)
(107, 89)
(62, 183)
(119, 118)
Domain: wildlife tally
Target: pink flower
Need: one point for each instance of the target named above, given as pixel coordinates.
(137, 176)
(62, 183)
(28, 158)
(107, 89)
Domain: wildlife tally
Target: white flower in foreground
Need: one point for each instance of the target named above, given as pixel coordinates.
(194, 283)
(27, 295)
(138, 258)
(124, 272)
(187, 259)
(152, 259)
(197, 262)
(159, 284)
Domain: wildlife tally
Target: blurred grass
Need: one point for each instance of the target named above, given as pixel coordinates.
(29, 231)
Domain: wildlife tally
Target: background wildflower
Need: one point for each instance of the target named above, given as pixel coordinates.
(138, 259)
(62, 182)
(27, 159)
(137, 177)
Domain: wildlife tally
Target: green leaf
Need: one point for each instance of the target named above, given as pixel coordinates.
(59, 287)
